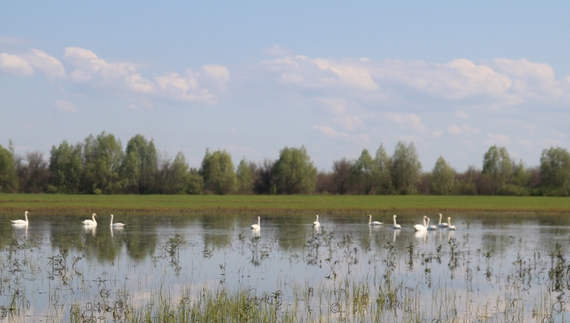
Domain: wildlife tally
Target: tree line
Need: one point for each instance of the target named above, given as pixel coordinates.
(99, 165)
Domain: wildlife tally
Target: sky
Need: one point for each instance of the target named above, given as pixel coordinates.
(254, 77)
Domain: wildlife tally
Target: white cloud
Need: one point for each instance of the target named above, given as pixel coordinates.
(557, 134)
(331, 133)
(461, 115)
(497, 139)
(437, 134)
(12, 64)
(276, 51)
(65, 106)
(349, 122)
(48, 65)
(409, 120)
(462, 129)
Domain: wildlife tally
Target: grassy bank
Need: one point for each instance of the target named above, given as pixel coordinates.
(199, 204)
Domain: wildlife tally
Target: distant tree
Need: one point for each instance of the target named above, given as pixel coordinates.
(555, 172)
(294, 172)
(406, 168)
(103, 157)
(442, 178)
(467, 183)
(264, 177)
(33, 173)
(218, 172)
(340, 177)
(172, 175)
(66, 168)
(140, 166)
(244, 177)
(497, 168)
(362, 173)
(194, 182)
(382, 172)
(8, 173)
(520, 183)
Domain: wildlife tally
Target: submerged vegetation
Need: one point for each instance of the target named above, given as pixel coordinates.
(357, 274)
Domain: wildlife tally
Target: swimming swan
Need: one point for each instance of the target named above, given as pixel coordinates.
(317, 223)
(450, 227)
(117, 224)
(370, 222)
(91, 222)
(431, 227)
(442, 225)
(396, 226)
(420, 227)
(258, 225)
(21, 222)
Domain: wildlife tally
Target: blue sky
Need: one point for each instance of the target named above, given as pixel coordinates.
(253, 77)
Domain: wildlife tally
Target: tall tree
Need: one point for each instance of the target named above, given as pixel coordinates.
(442, 178)
(218, 172)
(244, 177)
(8, 172)
(382, 171)
(406, 168)
(362, 173)
(497, 168)
(103, 157)
(340, 177)
(295, 172)
(33, 173)
(264, 177)
(140, 165)
(555, 171)
(66, 168)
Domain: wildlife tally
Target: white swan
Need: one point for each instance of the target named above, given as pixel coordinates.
(258, 225)
(396, 226)
(317, 223)
(21, 222)
(430, 227)
(370, 222)
(450, 227)
(92, 222)
(420, 227)
(442, 225)
(117, 224)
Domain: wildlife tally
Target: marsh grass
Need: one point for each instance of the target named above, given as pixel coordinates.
(268, 204)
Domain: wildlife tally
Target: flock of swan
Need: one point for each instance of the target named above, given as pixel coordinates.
(417, 227)
(89, 223)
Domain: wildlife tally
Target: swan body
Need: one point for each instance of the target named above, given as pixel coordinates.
(21, 222)
(420, 227)
(258, 225)
(430, 227)
(396, 226)
(91, 222)
(442, 225)
(450, 227)
(316, 223)
(116, 224)
(370, 222)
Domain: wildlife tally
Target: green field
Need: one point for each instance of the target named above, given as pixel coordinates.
(266, 204)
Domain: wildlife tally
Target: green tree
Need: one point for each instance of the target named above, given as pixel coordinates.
(442, 178)
(244, 177)
(497, 168)
(555, 172)
(172, 175)
(381, 171)
(406, 168)
(140, 166)
(294, 172)
(194, 182)
(103, 157)
(340, 177)
(8, 172)
(362, 173)
(33, 173)
(218, 172)
(66, 168)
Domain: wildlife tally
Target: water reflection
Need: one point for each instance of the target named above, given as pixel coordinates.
(228, 250)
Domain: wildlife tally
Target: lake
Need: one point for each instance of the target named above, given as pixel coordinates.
(493, 268)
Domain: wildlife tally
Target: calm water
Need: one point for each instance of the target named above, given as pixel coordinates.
(489, 269)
